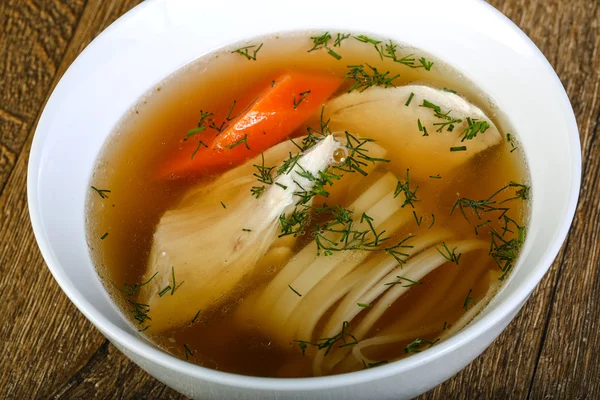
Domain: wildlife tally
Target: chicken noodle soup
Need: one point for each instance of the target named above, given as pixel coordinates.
(307, 205)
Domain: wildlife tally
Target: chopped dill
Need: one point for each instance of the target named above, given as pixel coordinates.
(243, 140)
(345, 337)
(104, 236)
(188, 352)
(432, 221)
(204, 117)
(504, 252)
(140, 312)
(175, 285)
(357, 157)
(388, 50)
(303, 345)
(468, 300)
(219, 128)
(257, 191)
(164, 291)
(365, 79)
(196, 316)
(295, 291)
(458, 148)
(425, 64)
(143, 329)
(448, 254)
(401, 280)
(409, 100)
(511, 141)
(419, 220)
(223, 205)
(416, 346)
(246, 230)
(301, 98)
(294, 223)
(264, 174)
(522, 191)
(200, 144)
(438, 176)
(487, 205)
(101, 192)
(448, 122)
(397, 252)
(364, 305)
(366, 39)
(351, 238)
(410, 195)
(373, 365)
(322, 42)
(245, 51)
(130, 289)
(484, 223)
(340, 37)
(230, 117)
(473, 128)
(288, 165)
(449, 90)
(445, 325)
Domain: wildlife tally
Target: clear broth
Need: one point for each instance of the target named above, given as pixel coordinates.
(136, 202)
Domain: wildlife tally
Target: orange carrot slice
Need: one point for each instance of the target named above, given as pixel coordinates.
(273, 116)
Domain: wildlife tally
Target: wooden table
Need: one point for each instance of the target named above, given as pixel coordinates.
(49, 350)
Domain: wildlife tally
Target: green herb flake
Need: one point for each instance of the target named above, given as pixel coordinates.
(458, 148)
(340, 340)
(243, 140)
(401, 280)
(188, 351)
(196, 316)
(164, 291)
(302, 96)
(101, 192)
(373, 365)
(417, 345)
(468, 300)
(200, 144)
(295, 291)
(432, 221)
(245, 51)
(364, 79)
(448, 254)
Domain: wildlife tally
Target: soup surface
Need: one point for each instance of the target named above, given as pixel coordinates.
(307, 205)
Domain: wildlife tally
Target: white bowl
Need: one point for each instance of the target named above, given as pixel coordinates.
(158, 37)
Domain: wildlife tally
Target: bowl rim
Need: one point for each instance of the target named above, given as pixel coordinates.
(145, 350)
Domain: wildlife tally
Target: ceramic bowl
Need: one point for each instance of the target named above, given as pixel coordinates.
(158, 37)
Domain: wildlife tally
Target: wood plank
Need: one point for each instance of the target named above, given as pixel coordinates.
(67, 358)
(33, 38)
(40, 351)
(506, 369)
(569, 363)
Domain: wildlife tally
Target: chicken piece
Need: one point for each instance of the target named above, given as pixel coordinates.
(205, 246)
(428, 133)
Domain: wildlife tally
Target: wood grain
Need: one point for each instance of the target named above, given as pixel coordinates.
(49, 350)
